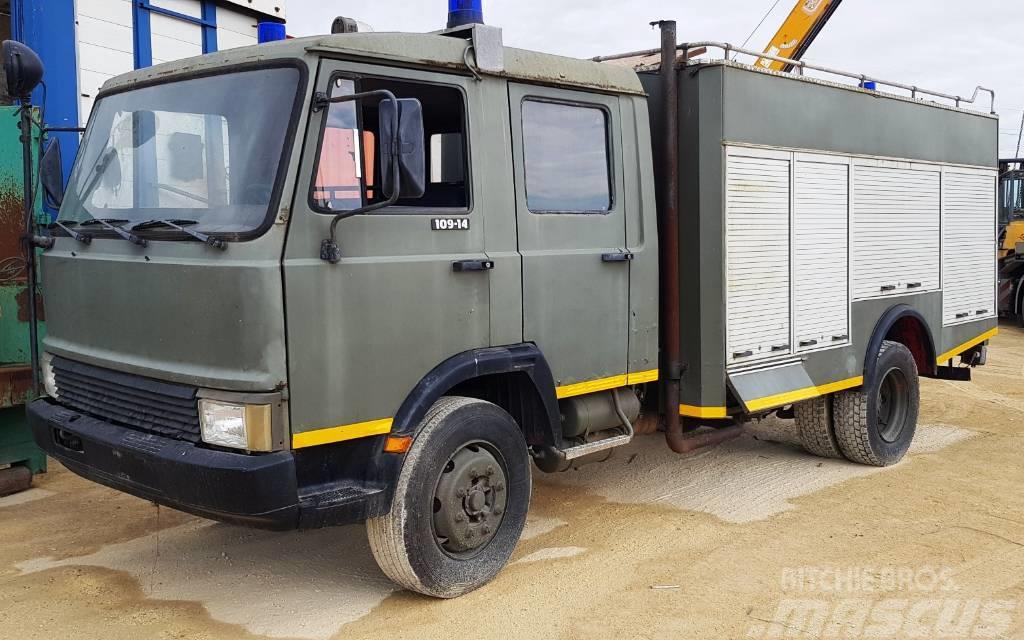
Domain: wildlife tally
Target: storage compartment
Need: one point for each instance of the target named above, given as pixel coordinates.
(808, 210)
(821, 246)
(968, 245)
(757, 254)
(896, 212)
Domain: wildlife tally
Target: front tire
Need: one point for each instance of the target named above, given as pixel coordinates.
(875, 425)
(460, 503)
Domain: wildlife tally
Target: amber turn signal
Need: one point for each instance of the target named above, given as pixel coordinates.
(397, 444)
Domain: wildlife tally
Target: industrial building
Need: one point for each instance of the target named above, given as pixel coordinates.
(83, 43)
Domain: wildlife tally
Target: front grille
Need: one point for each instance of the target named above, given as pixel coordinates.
(129, 400)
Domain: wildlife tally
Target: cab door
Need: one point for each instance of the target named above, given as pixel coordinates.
(412, 287)
(570, 214)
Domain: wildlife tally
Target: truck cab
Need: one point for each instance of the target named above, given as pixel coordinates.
(205, 353)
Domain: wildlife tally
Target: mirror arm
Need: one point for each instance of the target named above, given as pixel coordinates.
(329, 251)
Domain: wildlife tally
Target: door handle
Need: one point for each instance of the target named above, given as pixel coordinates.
(472, 265)
(624, 256)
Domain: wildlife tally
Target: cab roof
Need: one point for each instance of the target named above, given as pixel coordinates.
(419, 49)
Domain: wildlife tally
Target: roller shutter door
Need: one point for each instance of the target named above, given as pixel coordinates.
(968, 246)
(757, 255)
(821, 252)
(896, 219)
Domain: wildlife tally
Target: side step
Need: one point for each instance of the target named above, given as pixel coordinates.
(572, 453)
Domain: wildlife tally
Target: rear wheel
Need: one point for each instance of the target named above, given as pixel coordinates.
(1018, 307)
(875, 425)
(460, 504)
(814, 423)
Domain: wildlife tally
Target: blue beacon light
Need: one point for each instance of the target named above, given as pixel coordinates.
(464, 12)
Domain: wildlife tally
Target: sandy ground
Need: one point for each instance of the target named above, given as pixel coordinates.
(754, 539)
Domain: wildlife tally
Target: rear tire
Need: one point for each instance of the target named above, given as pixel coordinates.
(460, 503)
(814, 423)
(875, 426)
(1018, 305)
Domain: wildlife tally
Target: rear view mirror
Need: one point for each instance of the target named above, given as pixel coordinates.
(409, 140)
(51, 175)
(22, 68)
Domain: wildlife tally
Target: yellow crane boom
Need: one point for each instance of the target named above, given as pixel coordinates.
(797, 33)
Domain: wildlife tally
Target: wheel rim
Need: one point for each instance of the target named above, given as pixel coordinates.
(893, 405)
(469, 500)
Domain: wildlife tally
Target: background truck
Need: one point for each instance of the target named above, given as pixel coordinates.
(371, 277)
(1011, 239)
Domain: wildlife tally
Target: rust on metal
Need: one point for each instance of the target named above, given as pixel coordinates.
(24, 312)
(15, 385)
(687, 444)
(12, 222)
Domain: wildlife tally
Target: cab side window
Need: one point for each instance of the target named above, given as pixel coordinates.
(349, 160)
(567, 158)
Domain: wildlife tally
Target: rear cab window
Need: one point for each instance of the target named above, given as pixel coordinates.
(567, 158)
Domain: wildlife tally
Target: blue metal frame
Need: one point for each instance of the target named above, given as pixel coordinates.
(49, 28)
(143, 9)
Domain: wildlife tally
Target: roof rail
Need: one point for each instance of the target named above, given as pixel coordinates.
(801, 68)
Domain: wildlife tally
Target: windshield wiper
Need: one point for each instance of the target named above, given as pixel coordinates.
(181, 225)
(127, 235)
(84, 238)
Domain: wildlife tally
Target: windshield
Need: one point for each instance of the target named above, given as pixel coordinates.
(206, 150)
(1012, 197)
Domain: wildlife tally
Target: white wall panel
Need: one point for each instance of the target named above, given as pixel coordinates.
(106, 47)
(757, 255)
(896, 219)
(821, 252)
(235, 29)
(174, 39)
(968, 246)
(192, 8)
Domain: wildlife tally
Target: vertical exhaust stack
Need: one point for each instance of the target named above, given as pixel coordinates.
(669, 239)
(465, 12)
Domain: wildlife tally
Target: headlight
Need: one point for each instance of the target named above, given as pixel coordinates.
(49, 377)
(236, 426)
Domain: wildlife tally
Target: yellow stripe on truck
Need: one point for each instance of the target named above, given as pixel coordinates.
(342, 433)
(782, 399)
(709, 413)
(605, 384)
(952, 353)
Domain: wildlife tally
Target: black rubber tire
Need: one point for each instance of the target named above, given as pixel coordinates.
(1019, 303)
(403, 541)
(815, 426)
(856, 412)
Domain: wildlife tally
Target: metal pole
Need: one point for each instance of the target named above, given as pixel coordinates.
(669, 233)
(28, 239)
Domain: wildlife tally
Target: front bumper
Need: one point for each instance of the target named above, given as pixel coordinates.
(254, 490)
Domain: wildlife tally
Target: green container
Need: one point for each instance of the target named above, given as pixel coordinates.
(16, 444)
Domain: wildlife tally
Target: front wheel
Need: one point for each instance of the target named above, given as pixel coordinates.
(460, 503)
(876, 424)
